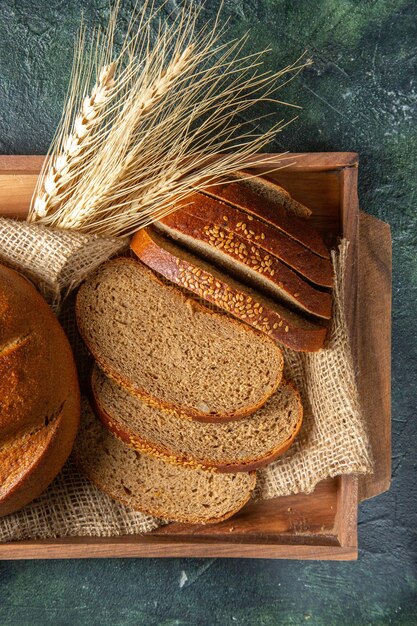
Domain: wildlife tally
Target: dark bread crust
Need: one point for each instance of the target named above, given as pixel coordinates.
(149, 250)
(127, 436)
(314, 268)
(59, 437)
(39, 391)
(279, 279)
(33, 348)
(147, 397)
(281, 213)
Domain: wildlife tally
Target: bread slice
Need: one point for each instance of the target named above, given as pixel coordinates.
(211, 284)
(172, 351)
(152, 486)
(245, 260)
(266, 200)
(258, 234)
(242, 445)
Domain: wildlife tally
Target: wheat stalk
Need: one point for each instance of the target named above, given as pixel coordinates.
(63, 169)
(143, 105)
(155, 117)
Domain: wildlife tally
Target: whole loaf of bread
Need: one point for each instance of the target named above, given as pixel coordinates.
(39, 393)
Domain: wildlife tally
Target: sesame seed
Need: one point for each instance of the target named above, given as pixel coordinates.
(275, 326)
(226, 219)
(280, 324)
(250, 218)
(286, 329)
(296, 295)
(262, 235)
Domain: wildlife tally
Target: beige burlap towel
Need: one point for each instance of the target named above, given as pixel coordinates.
(333, 439)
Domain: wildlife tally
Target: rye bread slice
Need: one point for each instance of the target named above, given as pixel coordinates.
(242, 445)
(172, 351)
(260, 234)
(214, 286)
(245, 260)
(150, 485)
(266, 200)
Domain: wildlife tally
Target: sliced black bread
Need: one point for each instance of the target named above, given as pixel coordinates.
(238, 255)
(262, 198)
(242, 445)
(172, 351)
(150, 485)
(259, 234)
(211, 284)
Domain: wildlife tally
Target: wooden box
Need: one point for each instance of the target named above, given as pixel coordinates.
(322, 525)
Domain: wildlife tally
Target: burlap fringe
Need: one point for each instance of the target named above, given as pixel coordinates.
(332, 441)
(56, 261)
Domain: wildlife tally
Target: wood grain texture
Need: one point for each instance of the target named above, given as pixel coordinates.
(322, 525)
(374, 324)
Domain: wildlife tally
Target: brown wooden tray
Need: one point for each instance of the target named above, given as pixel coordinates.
(322, 525)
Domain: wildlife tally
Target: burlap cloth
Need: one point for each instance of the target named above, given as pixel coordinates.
(333, 439)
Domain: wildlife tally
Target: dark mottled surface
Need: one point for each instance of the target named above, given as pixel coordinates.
(360, 95)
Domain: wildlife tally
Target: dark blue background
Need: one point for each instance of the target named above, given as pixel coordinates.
(360, 95)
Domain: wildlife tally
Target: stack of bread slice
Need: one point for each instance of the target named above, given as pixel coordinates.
(243, 247)
(190, 400)
(187, 394)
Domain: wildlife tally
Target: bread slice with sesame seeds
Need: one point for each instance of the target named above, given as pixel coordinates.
(242, 258)
(171, 350)
(265, 199)
(148, 484)
(260, 235)
(241, 445)
(222, 290)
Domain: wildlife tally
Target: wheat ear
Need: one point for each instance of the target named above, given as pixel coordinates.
(140, 106)
(63, 168)
(180, 98)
